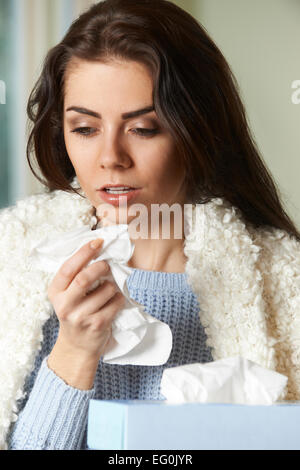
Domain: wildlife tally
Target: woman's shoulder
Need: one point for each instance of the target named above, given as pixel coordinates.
(269, 240)
(222, 225)
(35, 217)
(276, 242)
(38, 214)
(279, 258)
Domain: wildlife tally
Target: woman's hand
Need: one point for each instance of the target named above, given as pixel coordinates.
(85, 320)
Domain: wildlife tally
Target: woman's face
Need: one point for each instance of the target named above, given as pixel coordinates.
(106, 148)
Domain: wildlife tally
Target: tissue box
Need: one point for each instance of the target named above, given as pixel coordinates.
(139, 424)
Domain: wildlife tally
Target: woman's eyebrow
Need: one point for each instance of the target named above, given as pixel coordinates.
(128, 115)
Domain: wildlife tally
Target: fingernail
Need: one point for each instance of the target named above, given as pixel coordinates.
(95, 244)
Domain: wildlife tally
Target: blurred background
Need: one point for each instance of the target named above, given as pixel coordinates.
(260, 40)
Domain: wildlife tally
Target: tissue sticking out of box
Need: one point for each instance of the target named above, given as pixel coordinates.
(230, 380)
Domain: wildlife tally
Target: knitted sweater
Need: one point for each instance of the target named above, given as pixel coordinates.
(54, 415)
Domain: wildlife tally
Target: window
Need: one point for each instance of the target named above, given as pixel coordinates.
(28, 28)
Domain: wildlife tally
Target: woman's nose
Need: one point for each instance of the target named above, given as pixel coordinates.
(113, 153)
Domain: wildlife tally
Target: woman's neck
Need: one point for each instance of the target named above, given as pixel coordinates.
(160, 252)
(158, 255)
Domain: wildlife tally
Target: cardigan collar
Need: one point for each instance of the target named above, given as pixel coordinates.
(221, 268)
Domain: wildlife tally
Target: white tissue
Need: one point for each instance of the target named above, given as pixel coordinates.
(230, 380)
(137, 337)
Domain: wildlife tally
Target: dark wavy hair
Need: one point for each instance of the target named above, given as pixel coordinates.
(195, 96)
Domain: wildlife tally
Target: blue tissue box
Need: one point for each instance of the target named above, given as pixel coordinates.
(139, 424)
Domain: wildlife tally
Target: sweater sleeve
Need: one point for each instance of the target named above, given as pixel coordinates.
(54, 417)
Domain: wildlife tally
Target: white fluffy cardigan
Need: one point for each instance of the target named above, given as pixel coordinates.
(247, 282)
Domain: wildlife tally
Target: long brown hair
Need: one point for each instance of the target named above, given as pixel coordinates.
(195, 96)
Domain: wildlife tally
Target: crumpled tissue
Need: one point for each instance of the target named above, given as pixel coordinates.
(137, 337)
(229, 380)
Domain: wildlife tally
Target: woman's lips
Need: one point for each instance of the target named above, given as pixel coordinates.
(115, 199)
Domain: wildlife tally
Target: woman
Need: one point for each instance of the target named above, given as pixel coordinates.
(231, 287)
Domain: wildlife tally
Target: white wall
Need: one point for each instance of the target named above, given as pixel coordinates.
(261, 41)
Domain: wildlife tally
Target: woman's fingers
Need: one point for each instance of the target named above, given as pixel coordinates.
(72, 267)
(85, 320)
(99, 297)
(104, 318)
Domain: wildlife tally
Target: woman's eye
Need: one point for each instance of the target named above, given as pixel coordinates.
(83, 131)
(89, 131)
(145, 132)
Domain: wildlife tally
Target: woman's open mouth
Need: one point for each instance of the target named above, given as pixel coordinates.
(119, 196)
